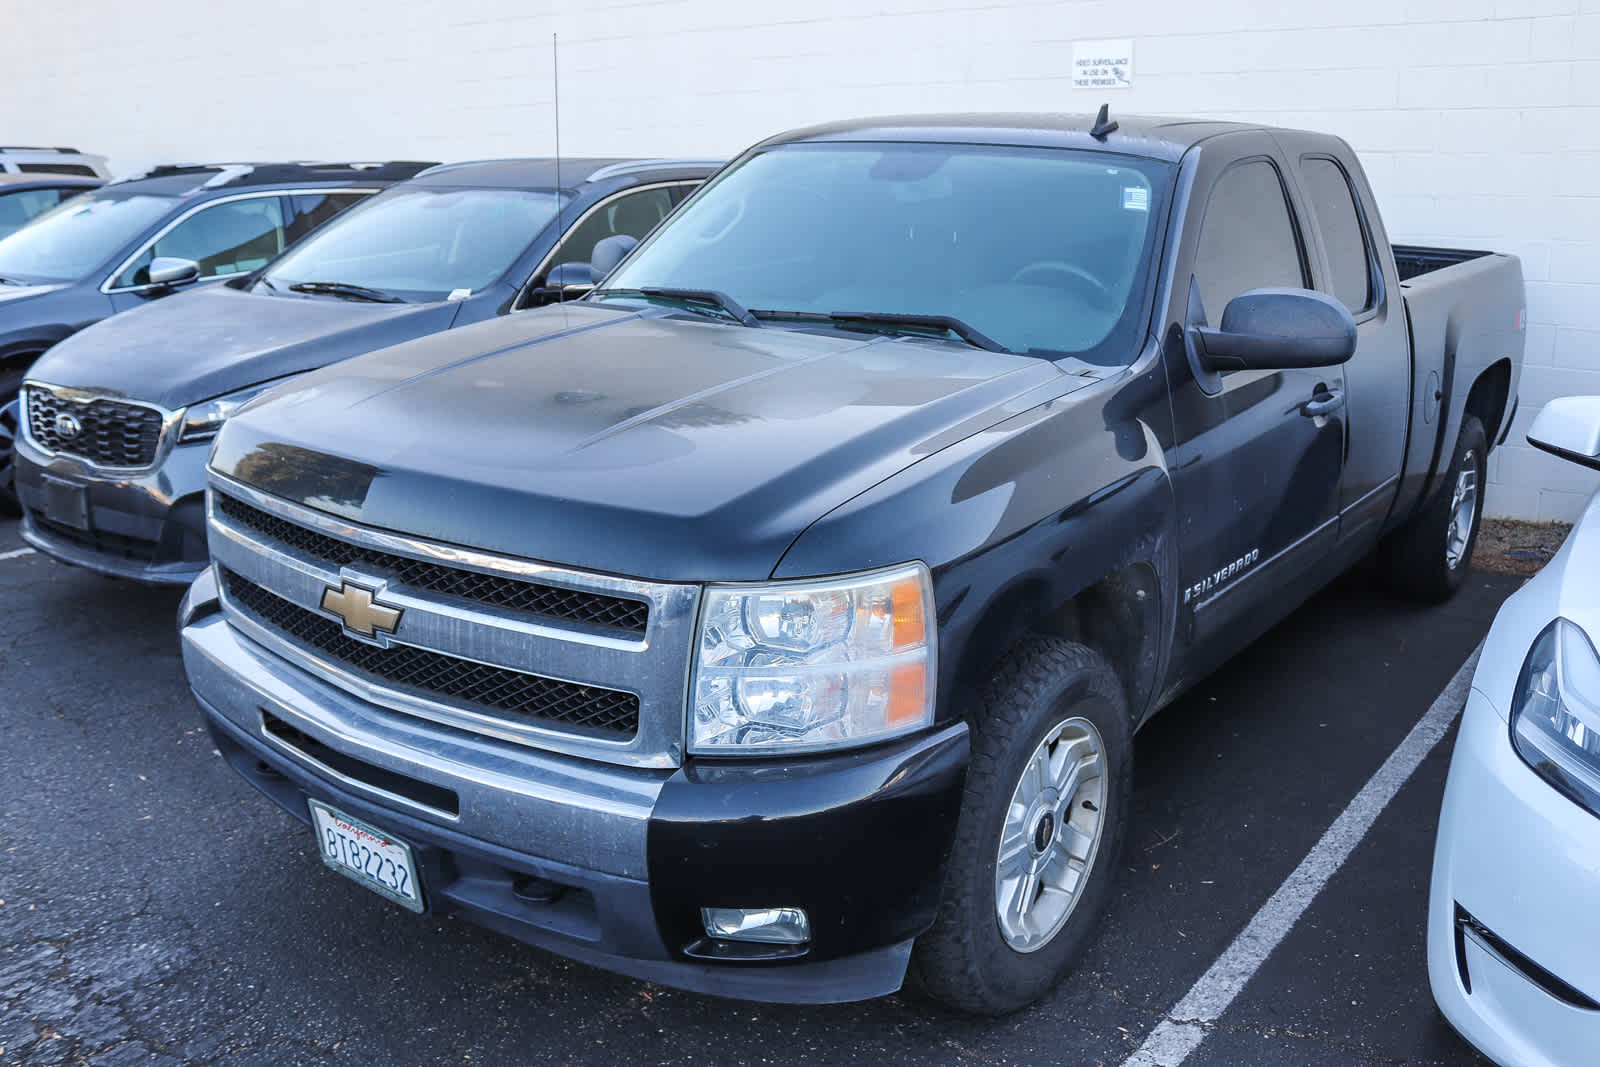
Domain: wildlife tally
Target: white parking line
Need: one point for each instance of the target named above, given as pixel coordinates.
(15, 552)
(1186, 1025)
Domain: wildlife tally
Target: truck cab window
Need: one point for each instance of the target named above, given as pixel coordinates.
(1247, 240)
(1349, 258)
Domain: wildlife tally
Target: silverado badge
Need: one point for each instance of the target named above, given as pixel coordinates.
(354, 606)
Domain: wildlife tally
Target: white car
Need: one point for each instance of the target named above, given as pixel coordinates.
(1514, 907)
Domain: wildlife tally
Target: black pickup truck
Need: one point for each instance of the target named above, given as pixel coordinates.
(774, 621)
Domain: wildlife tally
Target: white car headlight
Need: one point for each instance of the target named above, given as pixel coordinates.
(816, 664)
(204, 419)
(1555, 720)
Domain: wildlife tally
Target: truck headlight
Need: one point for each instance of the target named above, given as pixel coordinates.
(1555, 721)
(815, 664)
(203, 420)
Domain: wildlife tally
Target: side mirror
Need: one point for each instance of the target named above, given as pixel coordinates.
(608, 252)
(1278, 329)
(566, 281)
(572, 279)
(1569, 427)
(170, 270)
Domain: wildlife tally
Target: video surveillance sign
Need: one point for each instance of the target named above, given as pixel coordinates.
(1102, 64)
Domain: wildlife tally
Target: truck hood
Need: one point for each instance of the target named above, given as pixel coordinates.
(192, 347)
(651, 445)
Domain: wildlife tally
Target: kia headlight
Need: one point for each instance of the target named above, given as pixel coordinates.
(816, 664)
(203, 420)
(1555, 717)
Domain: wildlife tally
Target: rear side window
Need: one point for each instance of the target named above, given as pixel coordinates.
(634, 214)
(1349, 256)
(1248, 239)
(18, 207)
(307, 211)
(57, 168)
(229, 238)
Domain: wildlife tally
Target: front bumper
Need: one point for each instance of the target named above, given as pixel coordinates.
(149, 526)
(611, 865)
(1512, 922)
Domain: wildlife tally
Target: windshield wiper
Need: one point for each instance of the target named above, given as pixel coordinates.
(703, 297)
(346, 289)
(893, 319)
(11, 281)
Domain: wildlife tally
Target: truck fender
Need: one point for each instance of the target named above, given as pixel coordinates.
(1098, 589)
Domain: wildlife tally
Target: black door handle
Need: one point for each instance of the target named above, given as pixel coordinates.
(1323, 402)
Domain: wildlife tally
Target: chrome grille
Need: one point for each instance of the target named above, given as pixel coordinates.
(494, 688)
(584, 664)
(548, 601)
(110, 433)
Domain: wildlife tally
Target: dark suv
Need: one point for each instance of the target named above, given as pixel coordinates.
(24, 196)
(111, 466)
(137, 240)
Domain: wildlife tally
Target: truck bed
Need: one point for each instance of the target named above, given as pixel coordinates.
(1414, 260)
(1465, 309)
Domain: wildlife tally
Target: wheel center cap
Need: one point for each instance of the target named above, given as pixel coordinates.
(1044, 832)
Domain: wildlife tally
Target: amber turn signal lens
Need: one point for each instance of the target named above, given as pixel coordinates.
(907, 695)
(910, 629)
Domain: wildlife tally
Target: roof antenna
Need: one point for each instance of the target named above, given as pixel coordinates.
(555, 78)
(1104, 125)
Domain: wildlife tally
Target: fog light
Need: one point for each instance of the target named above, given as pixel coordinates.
(770, 926)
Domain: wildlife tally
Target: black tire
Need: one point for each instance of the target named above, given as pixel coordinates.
(965, 961)
(1427, 558)
(10, 386)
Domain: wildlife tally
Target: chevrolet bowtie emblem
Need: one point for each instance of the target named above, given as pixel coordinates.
(354, 606)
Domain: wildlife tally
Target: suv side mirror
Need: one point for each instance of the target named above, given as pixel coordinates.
(1278, 329)
(608, 252)
(572, 279)
(170, 270)
(566, 281)
(1569, 427)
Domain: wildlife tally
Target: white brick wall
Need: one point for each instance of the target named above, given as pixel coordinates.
(1479, 120)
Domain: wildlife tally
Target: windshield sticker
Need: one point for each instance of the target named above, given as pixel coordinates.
(1135, 198)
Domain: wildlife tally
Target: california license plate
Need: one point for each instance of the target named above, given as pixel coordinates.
(367, 855)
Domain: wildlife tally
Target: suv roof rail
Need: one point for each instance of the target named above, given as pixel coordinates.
(612, 170)
(441, 168)
(37, 148)
(244, 174)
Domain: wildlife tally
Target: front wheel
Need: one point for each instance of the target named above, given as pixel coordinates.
(1429, 556)
(10, 386)
(1039, 834)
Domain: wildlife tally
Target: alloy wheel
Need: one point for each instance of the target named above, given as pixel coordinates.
(1463, 510)
(1051, 834)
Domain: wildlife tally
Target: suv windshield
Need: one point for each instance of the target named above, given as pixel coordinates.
(419, 244)
(1044, 251)
(68, 241)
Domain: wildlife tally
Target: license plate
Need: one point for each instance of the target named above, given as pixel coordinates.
(66, 503)
(367, 855)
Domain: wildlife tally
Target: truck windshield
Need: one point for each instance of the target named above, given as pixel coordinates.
(72, 239)
(419, 244)
(1044, 251)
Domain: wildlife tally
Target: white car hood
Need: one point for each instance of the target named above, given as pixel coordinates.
(1567, 587)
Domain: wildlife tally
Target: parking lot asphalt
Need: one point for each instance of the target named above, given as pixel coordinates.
(156, 910)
